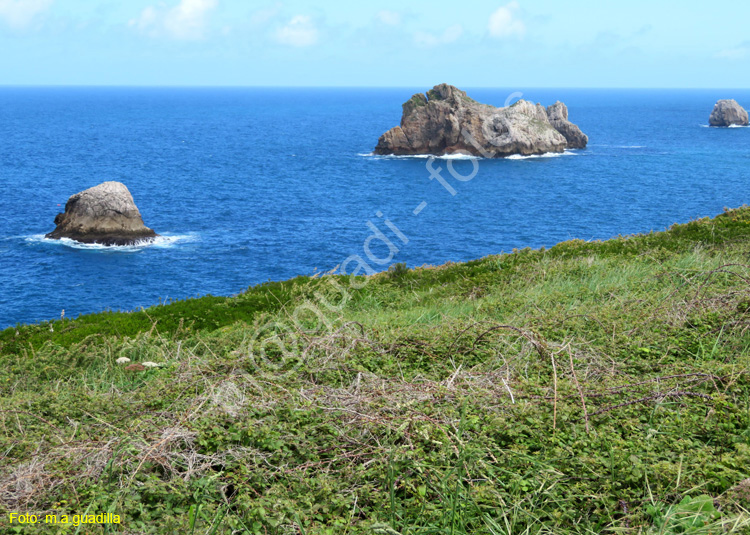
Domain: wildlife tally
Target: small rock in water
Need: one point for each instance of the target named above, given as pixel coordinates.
(105, 214)
(728, 113)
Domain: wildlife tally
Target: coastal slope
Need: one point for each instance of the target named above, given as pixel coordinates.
(587, 388)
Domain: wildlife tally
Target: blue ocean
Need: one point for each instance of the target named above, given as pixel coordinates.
(250, 185)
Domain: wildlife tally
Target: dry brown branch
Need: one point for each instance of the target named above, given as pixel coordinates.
(554, 376)
(580, 390)
(539, 346)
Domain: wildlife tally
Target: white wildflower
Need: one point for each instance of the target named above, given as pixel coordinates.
(150, 364)
(123, 360)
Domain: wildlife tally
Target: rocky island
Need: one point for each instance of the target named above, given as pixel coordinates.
(105, 214)
(728, 113)
(446, 121)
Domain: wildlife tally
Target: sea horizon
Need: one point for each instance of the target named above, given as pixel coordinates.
(421, 88)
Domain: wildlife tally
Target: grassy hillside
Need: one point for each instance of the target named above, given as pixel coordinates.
(589, 388)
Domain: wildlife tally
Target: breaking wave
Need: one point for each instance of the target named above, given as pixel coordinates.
(454, 156)
(160, 242)
(458, 156)
(545, 155)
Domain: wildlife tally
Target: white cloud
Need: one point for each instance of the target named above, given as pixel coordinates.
(391, 18)
(428, 40)
(19, 13)
(187, 20)
(737, 53)
(264, 16)
(504, 22)
(300, 32)
(146, 20)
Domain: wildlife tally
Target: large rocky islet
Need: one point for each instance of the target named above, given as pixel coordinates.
(446, 120)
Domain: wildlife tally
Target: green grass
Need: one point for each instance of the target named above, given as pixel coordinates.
(416, 101)
(594, 387)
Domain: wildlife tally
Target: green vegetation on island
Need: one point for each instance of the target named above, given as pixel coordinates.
(594, 387)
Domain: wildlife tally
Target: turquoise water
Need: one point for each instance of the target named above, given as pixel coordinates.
(250, 185)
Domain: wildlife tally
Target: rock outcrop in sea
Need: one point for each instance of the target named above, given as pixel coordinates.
(728, 113)
(446, 121)
(558, 118)
(104, 214)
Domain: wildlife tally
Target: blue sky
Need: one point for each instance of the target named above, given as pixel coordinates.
(475, 43)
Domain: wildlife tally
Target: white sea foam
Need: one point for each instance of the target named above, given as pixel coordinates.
(160, 242)
(604, 146)
(545, 155)
(454, 156)
(459, 156)
(730, 126)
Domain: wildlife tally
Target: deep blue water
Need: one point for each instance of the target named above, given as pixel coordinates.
(251, 185)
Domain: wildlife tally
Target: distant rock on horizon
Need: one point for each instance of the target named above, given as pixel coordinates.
(105, 214)
(728, 113)
(436, 123)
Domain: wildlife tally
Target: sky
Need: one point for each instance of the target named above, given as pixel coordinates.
(394, 43)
